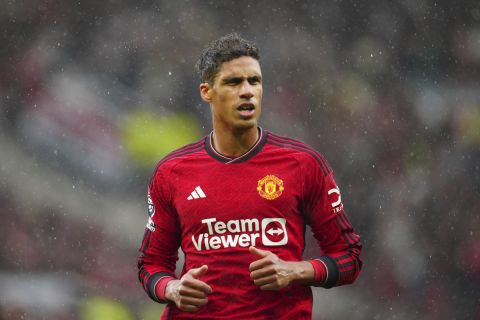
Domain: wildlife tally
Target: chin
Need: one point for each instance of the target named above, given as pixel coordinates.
(246, 124)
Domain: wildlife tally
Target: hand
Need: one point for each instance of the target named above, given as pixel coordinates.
(189, 293)
(270, 272)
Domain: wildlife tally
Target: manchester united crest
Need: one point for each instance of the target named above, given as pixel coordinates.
(270, 187)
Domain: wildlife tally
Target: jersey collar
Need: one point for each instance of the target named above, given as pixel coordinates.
(262, 138)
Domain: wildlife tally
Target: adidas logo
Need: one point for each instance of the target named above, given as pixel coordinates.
(196, 194)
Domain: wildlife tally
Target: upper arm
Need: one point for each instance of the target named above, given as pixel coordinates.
(162, 234)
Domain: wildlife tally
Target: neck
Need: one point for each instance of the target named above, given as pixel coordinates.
(234, 143)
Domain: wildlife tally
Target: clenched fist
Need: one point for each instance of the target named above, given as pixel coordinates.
(270, 272)
(189, 293)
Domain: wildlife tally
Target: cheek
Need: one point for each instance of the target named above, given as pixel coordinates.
(228, 100)
(260, 91)
(259, 95)
(225, 96)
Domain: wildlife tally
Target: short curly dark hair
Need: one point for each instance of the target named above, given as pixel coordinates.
(226, 48)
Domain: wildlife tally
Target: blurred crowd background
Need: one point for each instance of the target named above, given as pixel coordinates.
(94, 93)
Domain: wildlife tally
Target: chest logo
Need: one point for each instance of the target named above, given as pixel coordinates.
(270, 187)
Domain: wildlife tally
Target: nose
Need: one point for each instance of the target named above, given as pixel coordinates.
(246, 90)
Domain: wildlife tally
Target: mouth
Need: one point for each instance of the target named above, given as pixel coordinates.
(246, 110)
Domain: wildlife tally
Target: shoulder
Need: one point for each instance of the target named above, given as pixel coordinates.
(178, 155)
(303, 152)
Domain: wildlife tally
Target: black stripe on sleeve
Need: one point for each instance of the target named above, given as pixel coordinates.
(346, 234)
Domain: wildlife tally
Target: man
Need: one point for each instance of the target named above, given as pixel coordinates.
(237, 203)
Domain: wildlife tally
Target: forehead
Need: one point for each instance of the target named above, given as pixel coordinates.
(240, 67)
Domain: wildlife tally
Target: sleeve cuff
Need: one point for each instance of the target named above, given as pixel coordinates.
(157, 285)
(320, 272)
(326, 272)
(161, 286)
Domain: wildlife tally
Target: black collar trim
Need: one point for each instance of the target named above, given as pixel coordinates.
(262, 138)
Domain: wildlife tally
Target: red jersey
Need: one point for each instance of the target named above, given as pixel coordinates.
(215, 207)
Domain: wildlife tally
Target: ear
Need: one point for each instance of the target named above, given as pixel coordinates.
(206, 92)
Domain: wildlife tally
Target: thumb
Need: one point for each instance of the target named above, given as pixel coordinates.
(197, 272)
(259, 252)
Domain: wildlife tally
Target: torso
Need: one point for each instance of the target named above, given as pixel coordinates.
(223, 208)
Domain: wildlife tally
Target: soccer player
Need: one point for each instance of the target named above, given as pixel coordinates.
(237, 203)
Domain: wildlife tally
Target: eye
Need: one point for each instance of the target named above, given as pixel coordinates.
(254, 80)
(233, 81)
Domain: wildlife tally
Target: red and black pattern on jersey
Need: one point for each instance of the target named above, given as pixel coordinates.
(285, 142)
(215, 207)
(185, 150)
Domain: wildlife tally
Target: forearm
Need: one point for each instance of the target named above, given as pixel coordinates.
(154, 269)
(308, 272)
(154, 283)
(302, 272)
(341, 251)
